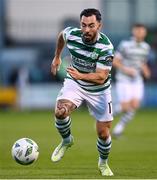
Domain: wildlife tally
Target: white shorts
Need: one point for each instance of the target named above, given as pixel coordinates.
(99, 105)
(127, 91)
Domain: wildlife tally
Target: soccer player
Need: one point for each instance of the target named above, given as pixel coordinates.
(88, 79)
(130, 62)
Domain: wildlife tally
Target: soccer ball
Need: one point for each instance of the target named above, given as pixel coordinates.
(25, 151)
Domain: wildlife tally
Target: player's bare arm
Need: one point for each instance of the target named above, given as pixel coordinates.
(57, 59)
(64, 108)
(97, 77)
(146, 71)
(127, 70)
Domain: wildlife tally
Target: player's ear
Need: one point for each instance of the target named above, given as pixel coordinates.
(100, 25)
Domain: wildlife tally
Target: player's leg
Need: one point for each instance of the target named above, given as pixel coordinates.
(117, 108)
(100, 107)
(135, 103)
(62, 118)
(104, 145)
(124, 93)
(67, 101)
(129, 107)
(62, 123)
(127, 115)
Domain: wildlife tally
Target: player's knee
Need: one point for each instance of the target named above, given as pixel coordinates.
(61, 112)
(126, 107)
(103, 134)
(135, 105)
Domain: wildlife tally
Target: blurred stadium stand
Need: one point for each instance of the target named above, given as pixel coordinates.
(28, 31)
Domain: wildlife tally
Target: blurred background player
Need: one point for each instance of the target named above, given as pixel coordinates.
(88, 79)
(131, 65)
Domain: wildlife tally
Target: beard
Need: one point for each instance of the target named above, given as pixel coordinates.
(88, 38)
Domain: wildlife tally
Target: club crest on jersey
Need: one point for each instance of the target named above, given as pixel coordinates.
(94, 55)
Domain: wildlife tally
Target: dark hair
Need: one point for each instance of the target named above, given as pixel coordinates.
(91, 11)
(139, 25)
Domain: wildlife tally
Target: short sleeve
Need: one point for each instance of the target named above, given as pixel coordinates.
(148, 53)
(105, 59)
(120, 52)
(66, 33)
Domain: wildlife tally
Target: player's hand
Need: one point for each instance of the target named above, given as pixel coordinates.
(74, 73)
(130, 71)
(146, 71)
(55, 65)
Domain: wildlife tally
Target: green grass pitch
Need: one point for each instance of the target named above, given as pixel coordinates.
(133, 156)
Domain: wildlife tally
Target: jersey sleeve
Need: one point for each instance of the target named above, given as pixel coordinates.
(66, 33)
(120, 52)
(148, 53)
(106, 58)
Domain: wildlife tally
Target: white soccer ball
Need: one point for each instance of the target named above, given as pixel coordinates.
(25, 151)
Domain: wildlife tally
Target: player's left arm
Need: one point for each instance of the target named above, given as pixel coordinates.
(103, 67)
(146, 71)
(97, 77)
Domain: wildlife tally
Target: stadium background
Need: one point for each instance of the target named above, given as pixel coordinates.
(28, 31)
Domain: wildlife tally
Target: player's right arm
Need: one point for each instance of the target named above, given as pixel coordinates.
(146, 71)
(117, 63)
(57, 59)
(118, 59)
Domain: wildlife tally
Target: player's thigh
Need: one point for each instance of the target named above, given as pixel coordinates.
(124, 92)
(70, 91)
(138, 90)
(69, 98)
(100, 106)
(126, 106)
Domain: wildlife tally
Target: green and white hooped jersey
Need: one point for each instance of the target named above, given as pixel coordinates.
(132, 54)
(86, 58)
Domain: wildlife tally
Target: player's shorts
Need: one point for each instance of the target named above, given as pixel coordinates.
(99, 105)
(127, 91)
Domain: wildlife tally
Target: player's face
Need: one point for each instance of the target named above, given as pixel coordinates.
(90, 28)
(139, 33)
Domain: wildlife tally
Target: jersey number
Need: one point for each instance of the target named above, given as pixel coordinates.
(109, 106)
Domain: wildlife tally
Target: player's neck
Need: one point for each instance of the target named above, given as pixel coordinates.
(138, 40)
